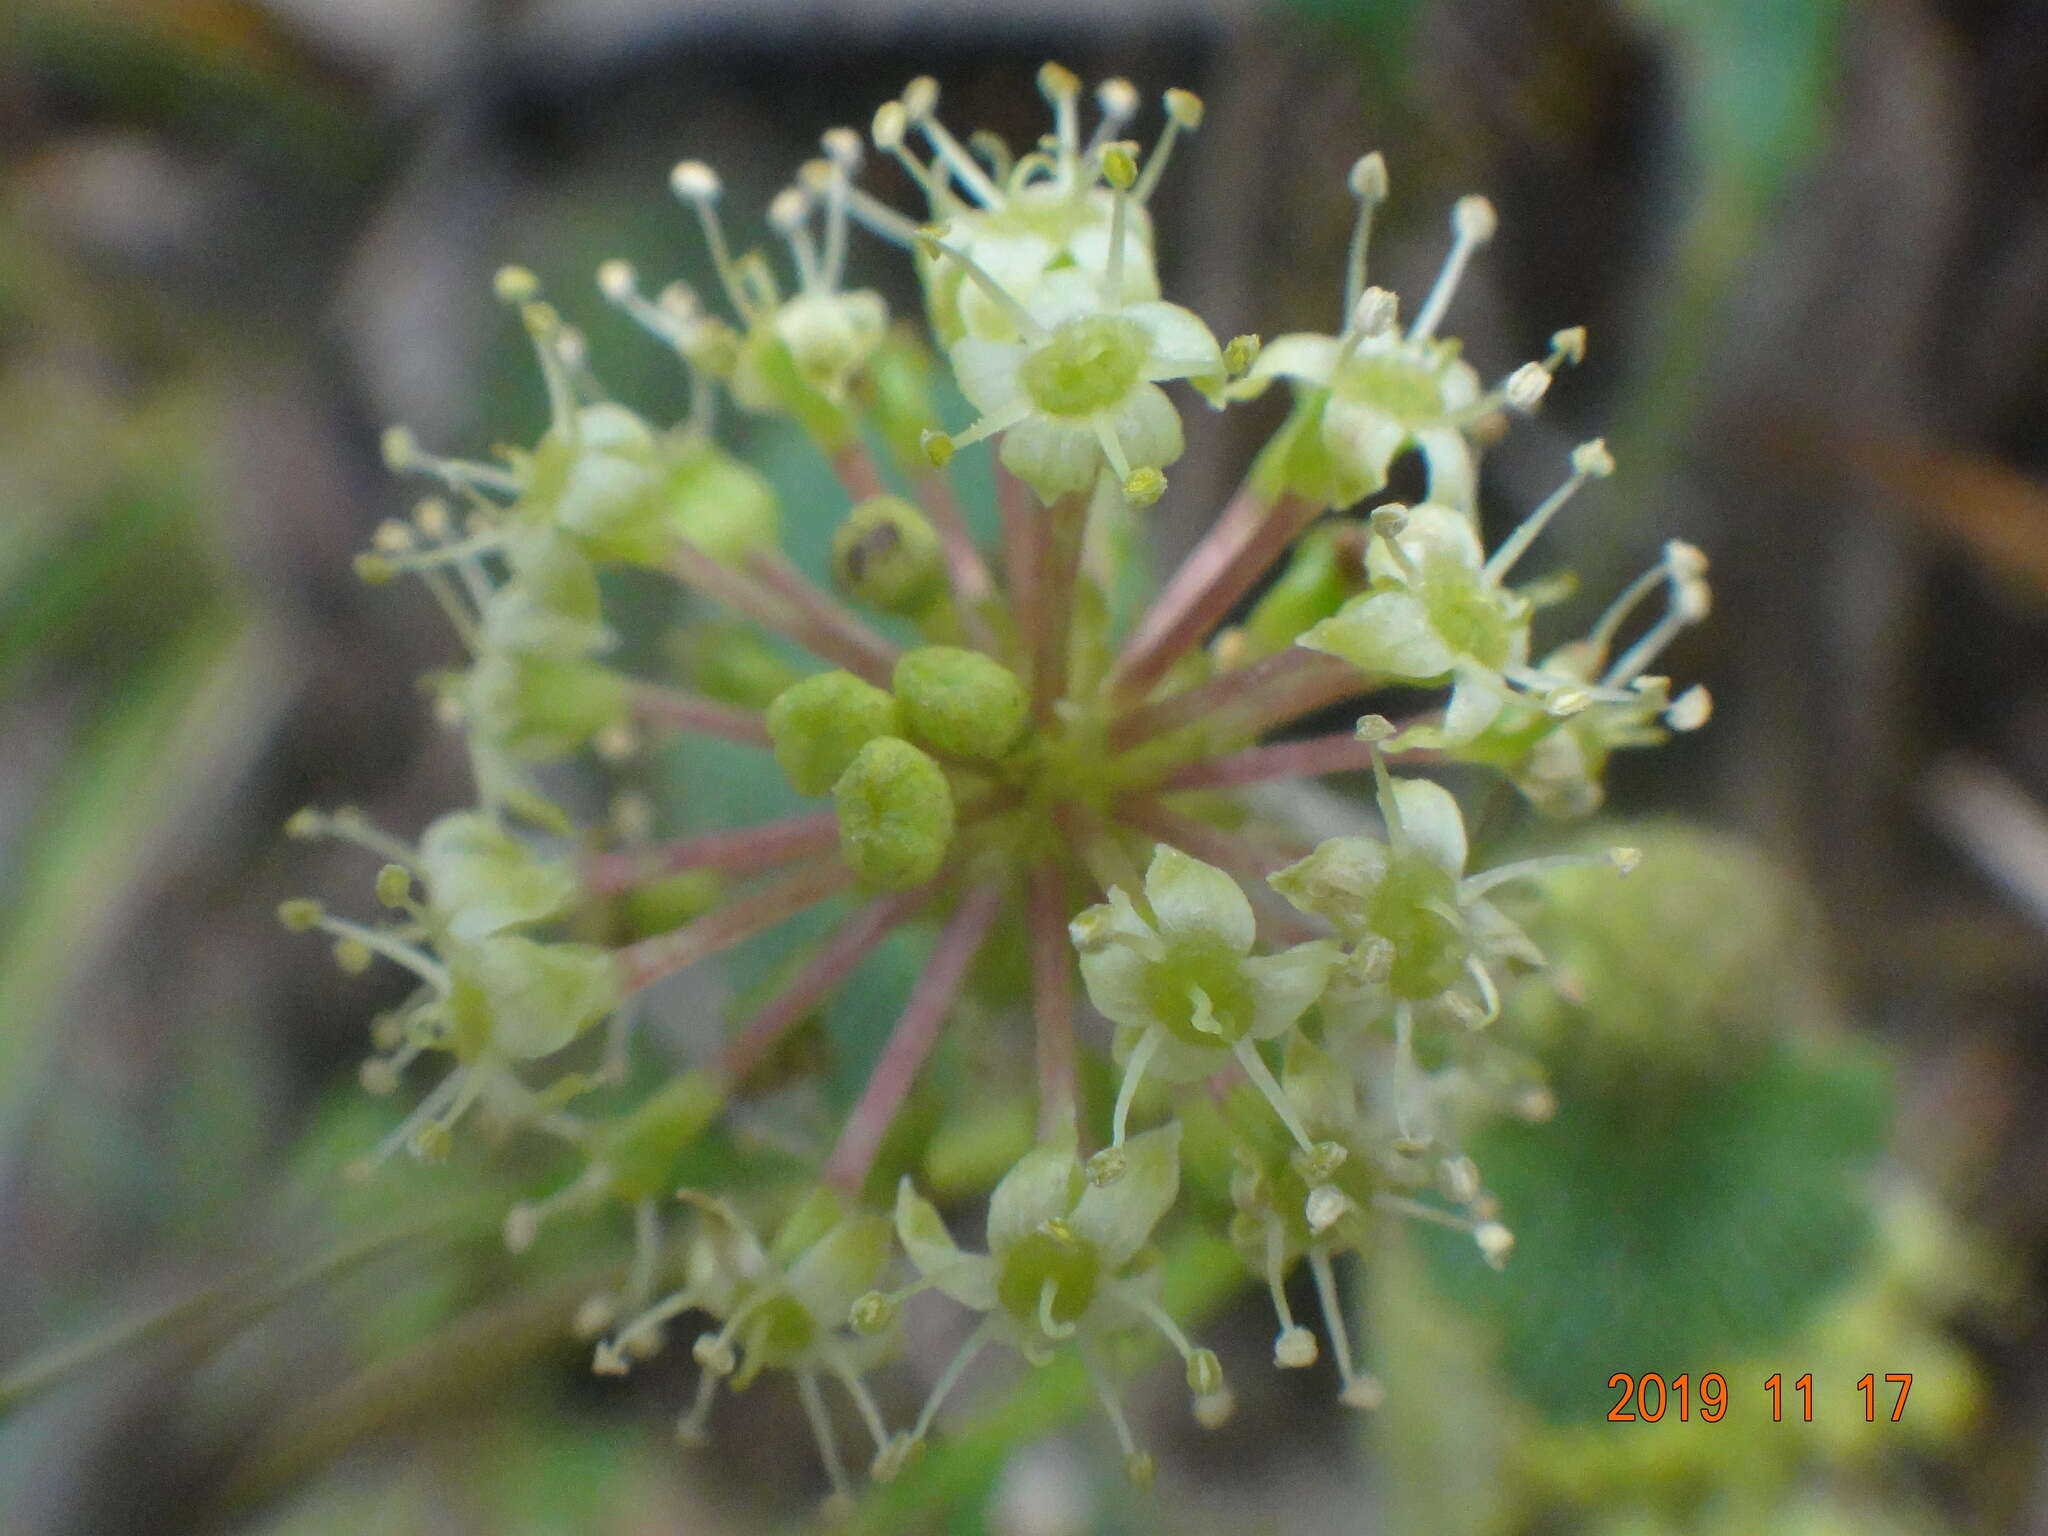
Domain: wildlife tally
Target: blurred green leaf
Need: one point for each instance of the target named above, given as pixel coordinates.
(1671, 1231)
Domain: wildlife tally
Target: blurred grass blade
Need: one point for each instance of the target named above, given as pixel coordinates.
(175, 727)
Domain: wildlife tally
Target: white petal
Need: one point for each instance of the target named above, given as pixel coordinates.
(1119, 1217)
(1182, 345)
(1386, 635)
(1365, 437)
(1052, 457)
(1115, 977)
(1197, 902)
(986, 371)
(1432, 532)
(1431, 822)
(1301, 355)
(969, 1278)
(1044, 1184)
(1286, 985)
(1453, 472)
(1148, 428)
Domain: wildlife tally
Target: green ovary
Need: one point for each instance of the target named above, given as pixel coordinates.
(1088, 365)
(1462, 613)
(1408, 911)
(777, 1334)
(1073, 1267)
(1401, 389)
(1170, 989)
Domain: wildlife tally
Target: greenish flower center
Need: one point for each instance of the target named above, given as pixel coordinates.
(1407, 391)
(1087, 365)
(1218, 972)
(778, 1332)
(1070, 1265)
(1464, 613)
(1410, 910)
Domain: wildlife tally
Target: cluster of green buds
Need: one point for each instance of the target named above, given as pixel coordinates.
(1064, 798)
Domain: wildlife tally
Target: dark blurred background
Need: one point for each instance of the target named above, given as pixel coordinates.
(1810, 239)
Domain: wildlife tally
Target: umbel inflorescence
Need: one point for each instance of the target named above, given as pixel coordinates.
(1051, 789)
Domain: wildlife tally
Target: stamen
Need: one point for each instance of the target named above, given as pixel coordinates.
(1112, 448)
(1690, 601)
(697, 184)
(789, 213)
(1062, 87)
(1183, 114)
(1590, 460)
(1134, 1073)
(1523, 869)
(946, 149)
(1473, 222)
(1118, 99)
(930, 240)
(1255, 1068)
(1601, 636)
(1373, 730)
(949, 1378)
(891, 124)
(1333, 1320)
(401, 452)
(1137, 1465)
(1369, 185)
(690, 1427)
(633, 1341)
(1120, 170)
(843, 150)
(544, 326)
(863, 1400)
(821, 1428)
(992, 147)
(429, 970)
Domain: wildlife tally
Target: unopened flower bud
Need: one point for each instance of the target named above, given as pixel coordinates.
(819, 724)
(352, 957)
(887, 553)
(960, 702)
(895, 814)
(394, 885)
